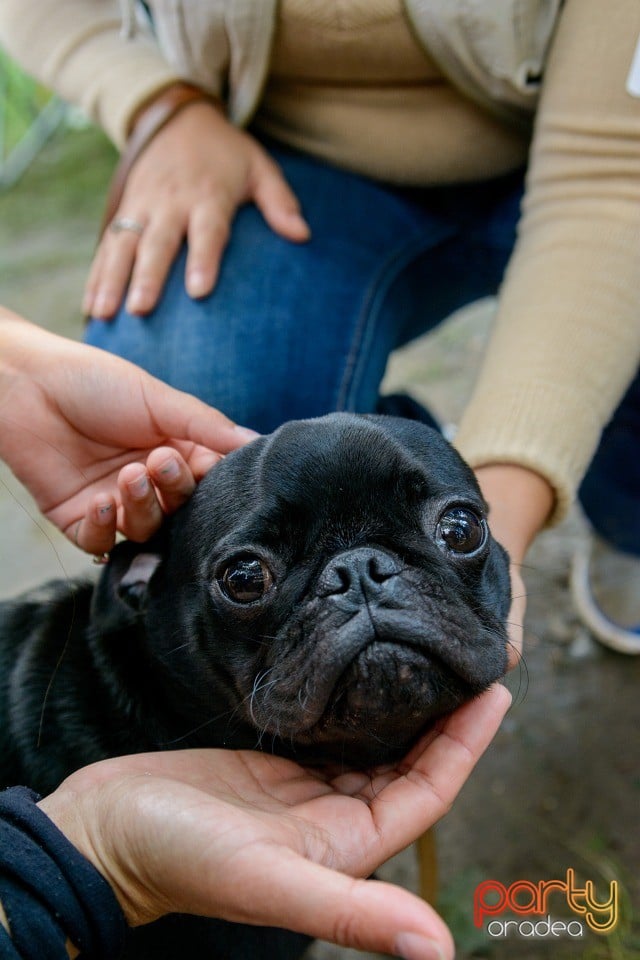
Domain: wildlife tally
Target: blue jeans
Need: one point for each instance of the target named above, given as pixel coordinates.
(300, 330)
(294, 331)
(610, 491)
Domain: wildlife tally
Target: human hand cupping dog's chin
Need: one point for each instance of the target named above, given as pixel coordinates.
(255, 838)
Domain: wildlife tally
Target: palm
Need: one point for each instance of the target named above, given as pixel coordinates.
(254, 838)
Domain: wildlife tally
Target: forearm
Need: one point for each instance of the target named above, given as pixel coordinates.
(566, 340)
(556, 370)
(76, 48)
(11, 348)
(24, 347)
(520, 503)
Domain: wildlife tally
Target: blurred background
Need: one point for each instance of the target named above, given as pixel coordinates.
(560, 786)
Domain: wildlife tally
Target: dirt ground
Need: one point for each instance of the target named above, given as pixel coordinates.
(560, 786)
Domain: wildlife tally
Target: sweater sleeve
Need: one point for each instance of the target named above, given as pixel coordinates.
(50, 893)
(566, 339)
(76, 47)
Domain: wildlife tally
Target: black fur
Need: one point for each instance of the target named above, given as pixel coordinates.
(372, 626)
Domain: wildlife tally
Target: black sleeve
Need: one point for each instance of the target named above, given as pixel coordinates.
(49, 890)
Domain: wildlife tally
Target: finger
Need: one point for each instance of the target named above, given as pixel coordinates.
(91, 286)
(208, 236)
(141, 513)
(172, 476)
(433, 776)
(156, 252)
(96, 531)
(469, 730)
(515, 619)
(361, 914)
(277, 202)
(201, 460)
(117, 256)
(178, 414)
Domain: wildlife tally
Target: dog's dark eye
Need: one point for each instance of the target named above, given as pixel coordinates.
(461, 530)
(246, 579)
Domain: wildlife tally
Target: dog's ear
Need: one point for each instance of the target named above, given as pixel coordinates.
(120, 594)
(132, 588)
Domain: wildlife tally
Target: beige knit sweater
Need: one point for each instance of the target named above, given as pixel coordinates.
(349, 82)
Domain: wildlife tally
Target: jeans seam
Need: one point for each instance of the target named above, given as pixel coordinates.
(375, 294)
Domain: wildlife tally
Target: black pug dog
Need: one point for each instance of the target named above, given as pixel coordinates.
(328, 592)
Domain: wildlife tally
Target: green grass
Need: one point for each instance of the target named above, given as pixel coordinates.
(22, 99)
(48, 227)
(66, 182)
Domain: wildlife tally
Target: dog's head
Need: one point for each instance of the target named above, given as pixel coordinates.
(332, 587)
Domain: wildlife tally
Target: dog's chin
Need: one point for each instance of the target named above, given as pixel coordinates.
(387, 697)
(381, 702)
(361, 692)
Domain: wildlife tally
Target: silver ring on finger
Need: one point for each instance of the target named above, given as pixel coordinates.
(119, 224)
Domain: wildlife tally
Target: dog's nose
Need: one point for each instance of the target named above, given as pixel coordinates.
(364, 570)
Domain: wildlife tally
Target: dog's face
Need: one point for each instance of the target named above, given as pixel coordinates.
(334, 586)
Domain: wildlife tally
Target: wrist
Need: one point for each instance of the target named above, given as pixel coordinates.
(79, 815)
(155, 112)
(150, 118)
(12, 346)
(25, 348)
(520, 503)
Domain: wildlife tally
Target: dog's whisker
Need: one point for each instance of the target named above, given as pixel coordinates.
(170, 653)
(262, 731)
(197, 729)
(304, 695)
(260, 684)
(523, 671)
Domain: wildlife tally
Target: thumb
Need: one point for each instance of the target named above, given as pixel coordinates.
(361, 914)
(181, 416)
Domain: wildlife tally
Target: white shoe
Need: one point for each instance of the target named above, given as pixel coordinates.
(605, 585)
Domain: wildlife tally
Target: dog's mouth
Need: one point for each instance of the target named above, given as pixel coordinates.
(372, 687)
(389, 693)
(387, 663)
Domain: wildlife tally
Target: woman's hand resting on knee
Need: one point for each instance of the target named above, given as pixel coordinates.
(186, 184)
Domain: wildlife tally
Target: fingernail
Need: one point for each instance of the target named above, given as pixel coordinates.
(197, 283)
(102, 304)
(135, 300)
(299, 220)
(104, 512)
(246, 433)
(412, 946)
(139, 488)
(169, 469)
